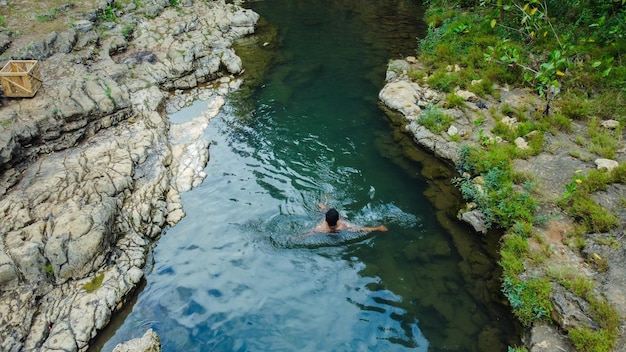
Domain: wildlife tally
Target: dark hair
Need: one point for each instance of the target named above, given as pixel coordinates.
(332, 216)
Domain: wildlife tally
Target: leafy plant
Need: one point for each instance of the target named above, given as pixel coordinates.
(108, 14)
(530, 299)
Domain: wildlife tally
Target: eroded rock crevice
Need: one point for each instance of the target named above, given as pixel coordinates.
(93, 169)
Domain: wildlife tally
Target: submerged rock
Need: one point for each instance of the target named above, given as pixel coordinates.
(149, 342)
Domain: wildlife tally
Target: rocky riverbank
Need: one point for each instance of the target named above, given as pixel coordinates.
(404, 99)
(92, 167)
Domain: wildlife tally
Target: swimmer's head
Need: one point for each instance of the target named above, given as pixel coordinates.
(332, 216)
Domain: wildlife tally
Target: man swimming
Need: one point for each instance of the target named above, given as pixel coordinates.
(332, 223)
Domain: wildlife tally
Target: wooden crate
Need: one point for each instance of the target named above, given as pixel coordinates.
(20, 78)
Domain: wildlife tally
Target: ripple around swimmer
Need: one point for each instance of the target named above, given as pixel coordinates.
(292, 231)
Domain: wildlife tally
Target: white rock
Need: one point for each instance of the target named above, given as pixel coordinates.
(149, 342)
(521, 143)
(509, 121)
(610, 124)
(453, 131)
(466, 95)
(607, 164)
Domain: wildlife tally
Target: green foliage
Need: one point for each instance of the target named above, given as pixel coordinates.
(560, 122)
(530, 299)
(47, 17)
(454, 101)
(108, 15)
(94, 284)
(517, 349)
(574, 107)
(48, 269)
(577, 201)
(499, 199)
(434, 119)
(3, 20)
(482, 88)
(587, 340)
(444, 81)
(604, 142)
(128, 30)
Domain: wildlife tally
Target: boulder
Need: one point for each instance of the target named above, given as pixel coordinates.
(401, 96)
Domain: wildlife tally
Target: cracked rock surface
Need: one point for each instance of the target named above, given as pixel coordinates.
(92, 167)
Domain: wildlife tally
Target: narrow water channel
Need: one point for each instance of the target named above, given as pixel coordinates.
(232, 276)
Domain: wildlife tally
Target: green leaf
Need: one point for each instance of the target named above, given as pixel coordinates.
(598, 63)
(493, 22)
(606, 72)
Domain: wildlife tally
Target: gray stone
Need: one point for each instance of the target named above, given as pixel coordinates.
(569, 310)
(476, 219)
(231, 61)
(83, 25)
(547, 338)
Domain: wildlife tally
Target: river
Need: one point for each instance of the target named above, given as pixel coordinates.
(234, 275)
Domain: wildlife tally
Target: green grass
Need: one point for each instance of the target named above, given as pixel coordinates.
(434, 119)
(454, 101)
(578, 203)
(529, 299)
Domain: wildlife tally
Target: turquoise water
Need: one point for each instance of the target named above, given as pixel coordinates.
(233, 275)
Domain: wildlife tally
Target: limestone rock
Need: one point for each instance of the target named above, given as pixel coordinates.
(521, 143)
(610, 124)
(546, 338)
(467, 95)
(475, 219)
(452, 131)
(569, 310)
(401, 96)
(88, 172)
(509, 121)
(83, 25)
(149, 342)
(606, 164)
(231, 61)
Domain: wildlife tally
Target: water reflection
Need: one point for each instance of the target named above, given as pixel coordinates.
(225, 278)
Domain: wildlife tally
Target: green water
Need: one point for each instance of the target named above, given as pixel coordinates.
(233, 276)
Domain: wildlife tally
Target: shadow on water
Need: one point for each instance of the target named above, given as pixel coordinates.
(234, 275)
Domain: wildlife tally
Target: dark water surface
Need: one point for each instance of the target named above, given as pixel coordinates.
(232, 276)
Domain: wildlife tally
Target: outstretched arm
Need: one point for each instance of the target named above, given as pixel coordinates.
(381, 228)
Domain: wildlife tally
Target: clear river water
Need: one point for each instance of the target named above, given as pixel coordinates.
(233, 275)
